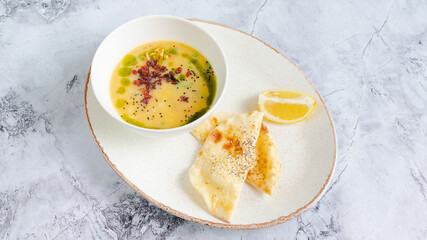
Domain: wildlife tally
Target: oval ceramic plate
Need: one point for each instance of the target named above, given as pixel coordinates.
(157, 169)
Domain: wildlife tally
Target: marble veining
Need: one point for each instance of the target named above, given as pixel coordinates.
(18, 117)
(48, 10)
(367, 58)
(71, 83)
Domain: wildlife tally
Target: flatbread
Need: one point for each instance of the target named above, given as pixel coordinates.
(223, 163)
(266, 172)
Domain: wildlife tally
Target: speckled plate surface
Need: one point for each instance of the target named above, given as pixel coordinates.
(157, 169)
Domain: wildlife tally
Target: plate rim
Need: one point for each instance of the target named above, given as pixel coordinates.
(177, 213)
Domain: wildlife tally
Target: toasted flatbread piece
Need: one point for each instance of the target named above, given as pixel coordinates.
(266, 172)
(224, 161)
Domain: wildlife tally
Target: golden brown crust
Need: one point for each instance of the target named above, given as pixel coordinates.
(216, 135)
(266, 172)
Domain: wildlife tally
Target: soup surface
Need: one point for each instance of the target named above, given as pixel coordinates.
(162, 84)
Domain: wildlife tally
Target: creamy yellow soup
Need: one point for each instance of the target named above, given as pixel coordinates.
(162, 84)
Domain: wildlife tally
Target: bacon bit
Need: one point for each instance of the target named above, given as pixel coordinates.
(151, 63)
(184, 99)
(134, 72)
(188, 73)
(163, 69)
(178, 70)
(175, 82)
(166, 77)
(169, 77)
(137, 82)
(146, 92)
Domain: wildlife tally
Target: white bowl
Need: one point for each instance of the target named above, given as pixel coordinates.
(147, 29)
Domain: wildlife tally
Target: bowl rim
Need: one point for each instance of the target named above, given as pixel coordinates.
(224, 225)
(219, 95)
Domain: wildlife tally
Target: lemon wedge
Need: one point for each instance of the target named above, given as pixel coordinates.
(286, 107)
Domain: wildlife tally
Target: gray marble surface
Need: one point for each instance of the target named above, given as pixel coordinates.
(367, 58)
